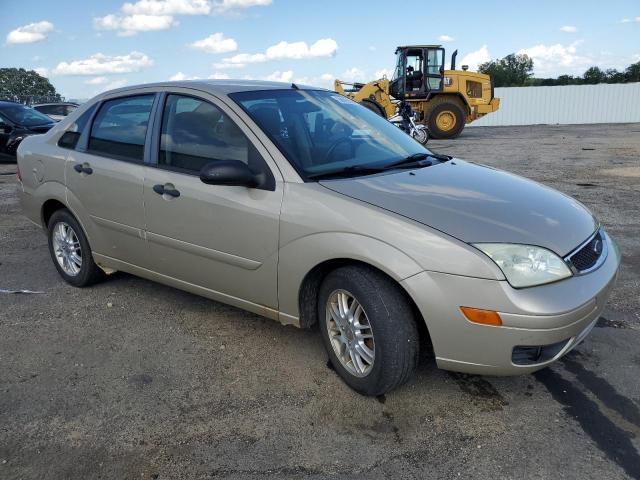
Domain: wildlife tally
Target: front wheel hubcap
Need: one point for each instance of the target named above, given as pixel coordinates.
(66, 248)
(350, 333)
(446, 120)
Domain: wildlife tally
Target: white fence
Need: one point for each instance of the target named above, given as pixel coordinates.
(571, 104)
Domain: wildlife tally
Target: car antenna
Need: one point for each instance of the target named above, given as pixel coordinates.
(294, 86)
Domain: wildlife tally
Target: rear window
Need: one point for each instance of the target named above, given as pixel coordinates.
(72, 135)
(120, 128)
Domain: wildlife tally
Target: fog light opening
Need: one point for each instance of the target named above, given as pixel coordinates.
(483, 317)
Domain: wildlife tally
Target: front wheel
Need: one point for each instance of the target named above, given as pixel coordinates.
(420, 134)
(368, 329)
(445, 119)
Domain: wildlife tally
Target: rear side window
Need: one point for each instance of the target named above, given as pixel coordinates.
(72, 135)
(195, 133)
(120, 128)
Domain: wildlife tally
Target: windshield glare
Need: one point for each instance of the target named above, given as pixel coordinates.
(320, 131)
(25, 116)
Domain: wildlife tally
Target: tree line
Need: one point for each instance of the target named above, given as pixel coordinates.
(19, 85)
(516, 70)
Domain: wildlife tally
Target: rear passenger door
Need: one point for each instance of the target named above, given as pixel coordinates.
(222, 238)
(104, 175)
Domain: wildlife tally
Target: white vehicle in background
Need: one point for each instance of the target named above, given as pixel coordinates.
(56, 111)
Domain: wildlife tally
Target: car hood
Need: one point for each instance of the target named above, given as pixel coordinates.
(476, 203)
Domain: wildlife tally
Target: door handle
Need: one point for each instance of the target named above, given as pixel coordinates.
(163, 190)
(80, 168)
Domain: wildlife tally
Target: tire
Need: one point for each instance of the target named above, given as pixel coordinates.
(387, 312)
(445, 118)
(374, 107)
(87, 272)
(421, 135)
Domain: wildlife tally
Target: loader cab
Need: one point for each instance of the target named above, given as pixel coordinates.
(419, 72)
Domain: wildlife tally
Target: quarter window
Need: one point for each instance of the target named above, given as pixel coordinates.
(70, 138)
(195, 133)
(120, 128)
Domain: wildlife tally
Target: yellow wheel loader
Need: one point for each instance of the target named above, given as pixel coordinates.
(443, 100)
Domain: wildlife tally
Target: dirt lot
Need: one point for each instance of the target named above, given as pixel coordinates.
(131, 379)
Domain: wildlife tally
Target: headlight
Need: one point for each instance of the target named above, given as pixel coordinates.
(526, 265)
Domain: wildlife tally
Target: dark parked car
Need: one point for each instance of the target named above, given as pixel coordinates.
(56, 111)
(16, 122)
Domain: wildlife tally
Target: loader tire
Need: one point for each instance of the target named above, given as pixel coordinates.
(374, 107)
(445, 118)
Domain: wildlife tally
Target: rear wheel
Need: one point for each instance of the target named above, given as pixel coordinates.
(368, 329)
(70, 250)
(445, 118)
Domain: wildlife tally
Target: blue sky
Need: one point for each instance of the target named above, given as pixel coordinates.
(87, 46)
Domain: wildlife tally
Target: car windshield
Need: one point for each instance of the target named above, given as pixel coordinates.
(23, 115)
(321, 132)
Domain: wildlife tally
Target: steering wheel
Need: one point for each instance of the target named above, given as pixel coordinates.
(334, 145)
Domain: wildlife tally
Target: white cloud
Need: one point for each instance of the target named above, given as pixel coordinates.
(325, 47)
(218, 76)
(167, 7)
(383, 72)
(100, 64)
(568, 29)
(629, 20)
(353, 74)
(223, 66)
(114, 84)
(132, 24)
(372, 48)
(153, 15)
(558, 59)
(31, 33)
(225, 6)
(446, 38)
(473, 59)
(42, 71)
(278, 76)
(215, 43)
(181, 76)
(96, 81)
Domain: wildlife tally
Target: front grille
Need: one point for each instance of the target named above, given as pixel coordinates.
(588, 255)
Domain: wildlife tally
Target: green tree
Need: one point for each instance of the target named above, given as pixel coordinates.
(20, 83)
(510, 71)
(632, 73)
(594, 75)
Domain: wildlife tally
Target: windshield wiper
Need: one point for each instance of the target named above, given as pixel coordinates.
(416, 160)
(352, 170)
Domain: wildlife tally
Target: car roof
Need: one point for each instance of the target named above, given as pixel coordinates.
(8, 103)
(55, 103)
(223, 87)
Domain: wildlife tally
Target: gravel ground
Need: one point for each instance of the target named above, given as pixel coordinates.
(131, 379)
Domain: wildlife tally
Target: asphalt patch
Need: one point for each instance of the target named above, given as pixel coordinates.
(612, 440)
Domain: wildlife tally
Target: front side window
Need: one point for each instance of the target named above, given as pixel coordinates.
(120, 128)
(195, 133)
(321, 132)
(70, 138)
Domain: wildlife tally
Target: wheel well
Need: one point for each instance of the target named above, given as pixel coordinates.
(308, 296)
(48, 209)
(451, 97)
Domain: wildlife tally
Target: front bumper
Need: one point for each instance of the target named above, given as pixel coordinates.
(561, 313)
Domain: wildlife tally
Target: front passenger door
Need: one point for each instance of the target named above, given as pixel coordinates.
(221, 238)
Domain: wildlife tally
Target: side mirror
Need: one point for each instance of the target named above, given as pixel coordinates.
(230, 173)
